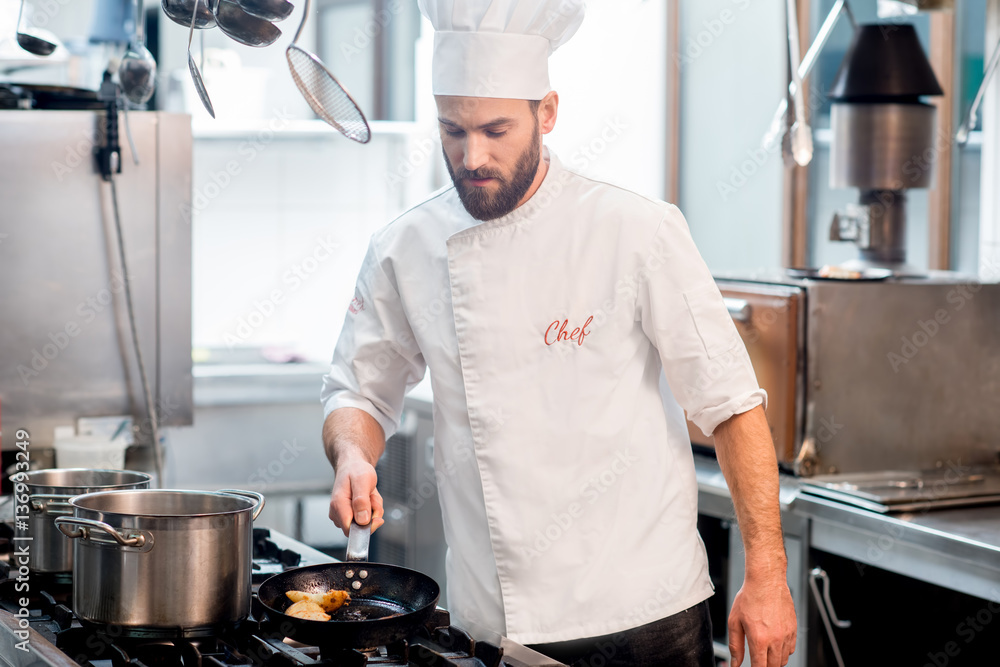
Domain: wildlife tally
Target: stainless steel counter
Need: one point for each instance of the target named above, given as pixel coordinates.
(958, 549)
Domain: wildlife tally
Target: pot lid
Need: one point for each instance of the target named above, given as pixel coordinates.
(885, 62)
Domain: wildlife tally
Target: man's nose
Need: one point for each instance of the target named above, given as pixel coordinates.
(475, 153)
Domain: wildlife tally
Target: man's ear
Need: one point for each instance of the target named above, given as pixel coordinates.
(548, 109)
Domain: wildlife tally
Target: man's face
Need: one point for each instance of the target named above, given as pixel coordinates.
(492, 148)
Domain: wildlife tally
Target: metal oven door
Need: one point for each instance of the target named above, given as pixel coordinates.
(770, 319)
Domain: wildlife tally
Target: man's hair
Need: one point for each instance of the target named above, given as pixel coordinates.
(533, 105)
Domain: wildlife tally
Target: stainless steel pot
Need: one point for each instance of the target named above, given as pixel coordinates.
(157, 563)
(49, 494)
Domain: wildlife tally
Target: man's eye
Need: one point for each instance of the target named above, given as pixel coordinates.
(454, 133)
(496, 135)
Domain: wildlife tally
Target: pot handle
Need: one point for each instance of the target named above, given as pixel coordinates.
(83, 527)
(248, 494)
(51, 503)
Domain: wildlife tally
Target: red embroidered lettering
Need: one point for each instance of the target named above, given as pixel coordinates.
(556, 332)
(554, 324)
(583, 329)
(357, 305)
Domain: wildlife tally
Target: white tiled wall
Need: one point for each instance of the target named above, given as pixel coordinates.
(281, 223)
(307, 182)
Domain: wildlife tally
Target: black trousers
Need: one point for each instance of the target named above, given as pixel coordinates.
(681, 640)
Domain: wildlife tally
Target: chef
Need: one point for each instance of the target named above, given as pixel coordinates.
(567, 325)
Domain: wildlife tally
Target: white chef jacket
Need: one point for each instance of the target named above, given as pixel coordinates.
(565, 472)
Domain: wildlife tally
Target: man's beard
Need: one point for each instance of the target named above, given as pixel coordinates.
(485, 205)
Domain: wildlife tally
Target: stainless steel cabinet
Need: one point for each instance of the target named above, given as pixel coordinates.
(65, 346)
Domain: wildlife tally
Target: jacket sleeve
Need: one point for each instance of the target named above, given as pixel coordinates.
(376, 360)
(682, 312)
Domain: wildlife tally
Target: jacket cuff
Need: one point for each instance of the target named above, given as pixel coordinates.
(709, 419)
(346, 399)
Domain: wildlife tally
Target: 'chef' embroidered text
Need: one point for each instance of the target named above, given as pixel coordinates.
(557, 332)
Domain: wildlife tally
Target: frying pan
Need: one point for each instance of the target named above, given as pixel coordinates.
(387, 605)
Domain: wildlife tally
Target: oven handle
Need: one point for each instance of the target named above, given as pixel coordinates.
(739, 309)
(826, 609)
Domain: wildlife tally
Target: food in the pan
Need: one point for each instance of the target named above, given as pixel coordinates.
(329, 602)
(307, 610)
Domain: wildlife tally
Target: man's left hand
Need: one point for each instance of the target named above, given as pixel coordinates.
(763, 615)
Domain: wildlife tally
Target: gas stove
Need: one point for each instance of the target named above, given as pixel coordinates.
(55, 637)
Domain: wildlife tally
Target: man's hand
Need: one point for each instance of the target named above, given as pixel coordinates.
(354, 441)
(764, 616)
(355, 496)
(762, 612)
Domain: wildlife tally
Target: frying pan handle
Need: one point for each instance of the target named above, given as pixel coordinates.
(357, 542)
(253, 495)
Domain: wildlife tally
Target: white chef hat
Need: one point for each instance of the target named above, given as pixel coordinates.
(498, 48)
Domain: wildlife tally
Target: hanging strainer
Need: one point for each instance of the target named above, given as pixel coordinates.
(323, 92)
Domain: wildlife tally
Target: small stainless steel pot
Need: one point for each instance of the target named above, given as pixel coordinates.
(162, 563)
(49, 492)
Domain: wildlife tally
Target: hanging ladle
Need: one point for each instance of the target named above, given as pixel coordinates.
(32, 43)
(243, 27)
(179, 11)
(137, 71)
(269, 10)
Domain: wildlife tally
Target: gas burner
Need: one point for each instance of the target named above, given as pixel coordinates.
(436, 643)
(91, 648)
(255, 642)
(268, 558)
